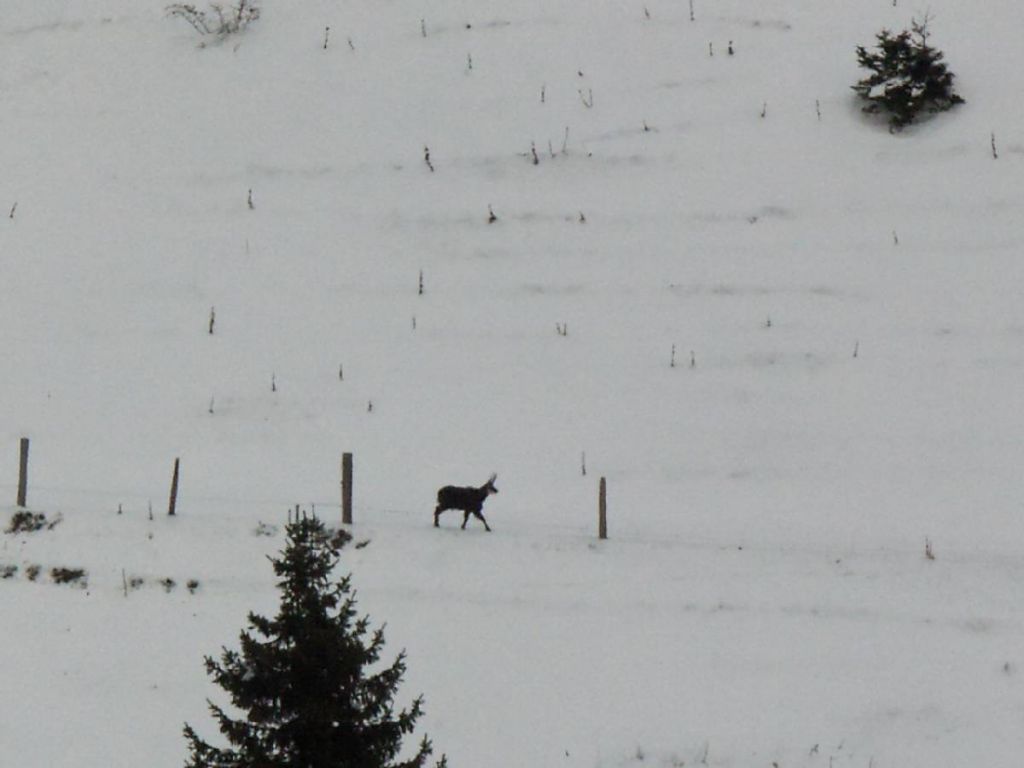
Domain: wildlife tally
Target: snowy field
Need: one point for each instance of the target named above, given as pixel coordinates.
(845, 306)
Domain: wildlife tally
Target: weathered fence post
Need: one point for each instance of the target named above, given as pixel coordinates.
(174, 489)
(346, 488)
(602, 510)
(23, 473)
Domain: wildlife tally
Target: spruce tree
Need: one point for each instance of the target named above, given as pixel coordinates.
(306, 682)
(908, 76)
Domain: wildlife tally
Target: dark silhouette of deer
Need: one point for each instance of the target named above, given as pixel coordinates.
(469, 500)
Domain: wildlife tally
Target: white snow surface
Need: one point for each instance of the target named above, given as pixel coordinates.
(845, 307)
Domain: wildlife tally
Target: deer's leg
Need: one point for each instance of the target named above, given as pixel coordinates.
(480, 517)
(465, 519)
(437, 514)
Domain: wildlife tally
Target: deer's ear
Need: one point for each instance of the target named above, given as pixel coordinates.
(493, 477)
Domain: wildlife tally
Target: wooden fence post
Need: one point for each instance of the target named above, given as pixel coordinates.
(174, 489)
(346, 489)
(23, 473)
(602, 510)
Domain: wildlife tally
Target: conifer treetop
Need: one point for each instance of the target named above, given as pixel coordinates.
(306, 686)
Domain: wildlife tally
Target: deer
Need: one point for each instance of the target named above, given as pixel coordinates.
(469, 500)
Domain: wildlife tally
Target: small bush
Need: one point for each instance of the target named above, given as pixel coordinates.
(168, 584)
(68, 576)
(218, 22)
(8, 571)
(192, 585)
(908, 76)
(28, 522)
(32, 572)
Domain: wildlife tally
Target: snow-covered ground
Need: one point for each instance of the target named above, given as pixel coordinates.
(845, 307)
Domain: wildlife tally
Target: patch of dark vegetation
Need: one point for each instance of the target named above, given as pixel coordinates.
(192, 585)
(29, 522)
(168, 584)
(8, 571)
(32, 572)
(68, 576)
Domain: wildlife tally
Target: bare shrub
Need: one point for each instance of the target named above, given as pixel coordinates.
(219, 21)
